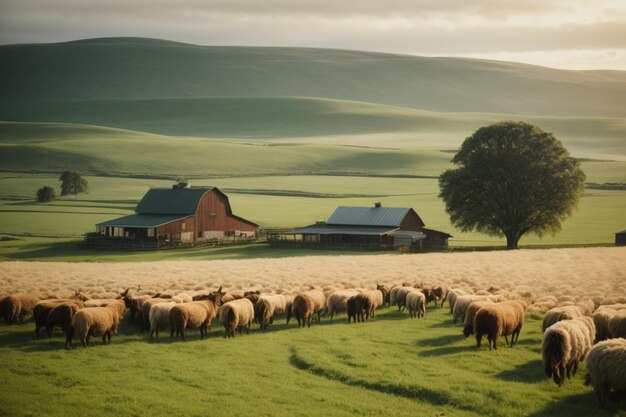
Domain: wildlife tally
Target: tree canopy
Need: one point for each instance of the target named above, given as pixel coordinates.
(512, 178)
(73, 183)
(46, 194)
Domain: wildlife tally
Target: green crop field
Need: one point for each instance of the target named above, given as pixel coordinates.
(390, 365)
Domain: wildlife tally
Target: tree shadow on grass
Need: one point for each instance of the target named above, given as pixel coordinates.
(529, 372)
(579, 405)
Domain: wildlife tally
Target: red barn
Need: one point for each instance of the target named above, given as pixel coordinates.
(181, 214)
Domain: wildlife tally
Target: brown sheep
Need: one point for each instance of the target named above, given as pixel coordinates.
(470, 313)
(499, 319)
(236, 314)
(437, 294)
(95, 321)
(336, 302)
(196, 314)
(61, 316)
(42, 310)
(617, 325)
(354, 307)
(306, 305)
(385, 292)
(17, 306)
(133, 304)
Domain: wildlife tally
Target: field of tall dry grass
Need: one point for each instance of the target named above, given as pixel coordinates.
(567, 274)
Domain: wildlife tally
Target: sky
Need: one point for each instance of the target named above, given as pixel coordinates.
(570, 34)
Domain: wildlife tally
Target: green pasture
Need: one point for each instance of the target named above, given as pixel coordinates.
(287, 201)
(391, 365)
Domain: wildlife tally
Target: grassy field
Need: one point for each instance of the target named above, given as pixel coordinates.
(391, 365)
(288, 201)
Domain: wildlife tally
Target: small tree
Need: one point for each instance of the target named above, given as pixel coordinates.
(512, 178)
(46, 194)
(73, 183)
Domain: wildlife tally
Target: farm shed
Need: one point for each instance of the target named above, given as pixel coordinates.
(620, 238)
(377, 227)
(174, 216)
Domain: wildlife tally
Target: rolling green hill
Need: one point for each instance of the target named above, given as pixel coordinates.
(298, 119)
(135, 68)
(53, 148)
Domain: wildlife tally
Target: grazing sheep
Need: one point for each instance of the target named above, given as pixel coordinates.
(355, 308)
(470, 313)
(606, 368)
(337, 301)
(601, 318)
(95, 321)
(438, 294)
(499, 319)
(133, 304)
(416, 304)
(400, 296)
(196, 314)
(587, 306)
(560, 313)
(454, 293)
(144, 310)
(17, 306)
(42, 310)
(233, 295)
(462, 303)
(305, 306)
(159, 317)
(61, 316)
(617, 325)
(236, 314)
(375, 299)
(385, 292)
(267, 307)
(393, 296)
(564, 345)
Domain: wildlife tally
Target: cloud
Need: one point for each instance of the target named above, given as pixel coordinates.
(490, 28)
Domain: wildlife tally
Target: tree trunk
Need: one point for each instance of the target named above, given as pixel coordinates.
(512, 240)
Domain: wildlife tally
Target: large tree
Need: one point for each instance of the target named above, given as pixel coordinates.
(511, 178)
(73, 183)
(46, 194)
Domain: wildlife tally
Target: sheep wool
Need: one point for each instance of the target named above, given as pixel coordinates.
(606, 368)
(236, 314)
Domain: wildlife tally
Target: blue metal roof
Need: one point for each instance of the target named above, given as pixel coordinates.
(178, 200)
(368, 216)
(142, 220)
(342, 230)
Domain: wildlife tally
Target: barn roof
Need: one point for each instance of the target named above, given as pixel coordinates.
(142, 220)
(178, 200)
(368, 216)
(327, 229)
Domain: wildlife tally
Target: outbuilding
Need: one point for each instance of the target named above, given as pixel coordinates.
(375, 227)
(620, 238)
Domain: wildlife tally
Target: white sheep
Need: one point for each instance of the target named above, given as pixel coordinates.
(159, 317)
(337, 301)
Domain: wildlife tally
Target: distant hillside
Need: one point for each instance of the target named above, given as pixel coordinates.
(298, 119)
(130, 68)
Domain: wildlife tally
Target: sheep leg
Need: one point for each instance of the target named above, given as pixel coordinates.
(182, 334)
(479, 338)
(49, 331)
(85, 340)
(171, 333)
(575, 368)
(104, 338)
(506, 338)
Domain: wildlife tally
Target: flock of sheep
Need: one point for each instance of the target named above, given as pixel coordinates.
(573, 329)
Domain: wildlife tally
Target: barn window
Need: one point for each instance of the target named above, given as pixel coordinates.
(150, 232)
(184, 226)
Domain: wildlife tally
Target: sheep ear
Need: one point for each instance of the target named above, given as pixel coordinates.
(219, 289)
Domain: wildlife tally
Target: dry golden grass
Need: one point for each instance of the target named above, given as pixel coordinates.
(564, 274)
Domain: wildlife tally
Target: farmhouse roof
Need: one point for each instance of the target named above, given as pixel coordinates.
(177, 200)
(142, 220)
(329, 229)
(369, 216)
